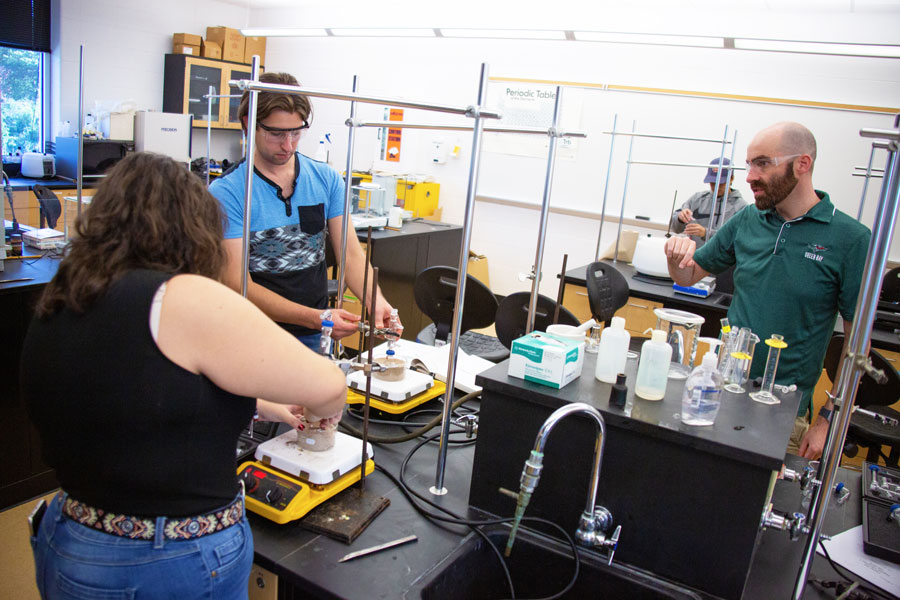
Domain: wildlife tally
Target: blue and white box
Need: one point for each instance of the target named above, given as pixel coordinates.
(546, 359)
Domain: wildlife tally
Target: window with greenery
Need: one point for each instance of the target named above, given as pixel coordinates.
(20, 86)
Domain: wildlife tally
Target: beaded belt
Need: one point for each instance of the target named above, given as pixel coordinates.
(136, 528)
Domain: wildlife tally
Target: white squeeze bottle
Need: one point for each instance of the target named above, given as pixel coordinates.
(702, 393)
(613, 351)
(653, 368)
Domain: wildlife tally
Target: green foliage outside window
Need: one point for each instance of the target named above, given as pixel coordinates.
(20, 72)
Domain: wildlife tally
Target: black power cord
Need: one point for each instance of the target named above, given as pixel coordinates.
(860, 593)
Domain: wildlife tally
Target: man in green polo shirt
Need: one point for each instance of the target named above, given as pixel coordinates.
(798, 263)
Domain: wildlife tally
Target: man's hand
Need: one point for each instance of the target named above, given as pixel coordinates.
(695, 229)
(680, 251)
(685, 215)
(813, 441)
(345, 323)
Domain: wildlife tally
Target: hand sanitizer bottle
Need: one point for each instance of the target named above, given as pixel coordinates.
(702, 393)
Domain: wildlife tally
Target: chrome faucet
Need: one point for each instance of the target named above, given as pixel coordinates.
(595, 521)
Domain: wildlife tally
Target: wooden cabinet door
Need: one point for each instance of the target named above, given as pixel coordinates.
(199, 75)
(638, 315)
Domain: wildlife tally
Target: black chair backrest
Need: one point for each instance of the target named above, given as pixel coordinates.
(50, 206)
(435, 293)
(890, 286)
(869, 392)
(607, 291)
(512, 316)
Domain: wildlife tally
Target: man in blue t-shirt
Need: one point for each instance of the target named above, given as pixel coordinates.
(798, 264)
(295, 201)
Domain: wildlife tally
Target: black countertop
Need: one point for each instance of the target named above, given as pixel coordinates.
(308, 561)
(32, 271)
(54, 183)
(713, 307)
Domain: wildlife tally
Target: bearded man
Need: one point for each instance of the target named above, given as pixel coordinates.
(798, 263)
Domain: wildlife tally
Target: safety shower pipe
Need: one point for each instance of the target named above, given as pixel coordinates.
(248, 188)
(298, 90)
(545, 214)
(862, 200)
(612, 144)
(79, 182)
(438, 489)
(624, 192)
(860, 333)
(348, 182)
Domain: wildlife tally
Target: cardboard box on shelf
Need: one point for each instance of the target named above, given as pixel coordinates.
(188, 39)
(254, 45)
(210, 49)
(230, 40)
(118, 126)
(185, 49)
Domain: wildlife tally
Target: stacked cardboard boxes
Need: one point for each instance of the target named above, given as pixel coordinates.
(186, 43)
(229, 40)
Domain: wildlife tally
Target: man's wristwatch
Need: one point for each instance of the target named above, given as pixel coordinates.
(825, 413)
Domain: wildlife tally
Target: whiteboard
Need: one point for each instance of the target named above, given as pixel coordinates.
(581, 170)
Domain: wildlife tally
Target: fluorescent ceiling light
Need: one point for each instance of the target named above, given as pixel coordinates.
(518, 34)
(648, 38)
(284, 32)
(818, 47)
(382, 32)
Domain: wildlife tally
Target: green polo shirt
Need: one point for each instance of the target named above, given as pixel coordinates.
(792, 278)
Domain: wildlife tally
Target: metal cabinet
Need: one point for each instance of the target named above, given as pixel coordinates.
(188, 79)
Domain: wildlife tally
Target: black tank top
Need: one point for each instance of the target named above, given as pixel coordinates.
(126, 429)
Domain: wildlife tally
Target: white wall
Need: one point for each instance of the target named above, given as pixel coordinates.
(124, 43)
(446, 71)
(125, 40)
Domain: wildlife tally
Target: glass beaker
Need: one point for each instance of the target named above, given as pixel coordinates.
(738, 358)
(682, 333)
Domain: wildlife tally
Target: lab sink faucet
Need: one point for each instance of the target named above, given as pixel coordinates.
(595, 521)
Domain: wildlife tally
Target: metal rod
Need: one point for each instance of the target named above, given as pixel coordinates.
(666, 137)
(345, 229)
(248, 188)
(562, 289)
(721, 220)
(363, 313)
(209, 98)
(862, 199)
(545, 215)
(211, 95)
(79, 183)
(612, 144)
(404, 125)
(710, 224)
(881, 134)
(624, 193)
(438, 489)
(670, 164)
(851, 369)
(371, 344)
(470, 111)
(872, 176)
(869, 169)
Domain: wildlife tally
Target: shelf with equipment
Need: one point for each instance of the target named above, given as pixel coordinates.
(187, 81)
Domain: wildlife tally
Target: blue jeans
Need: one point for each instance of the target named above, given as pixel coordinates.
(76, 562)
(311, 341)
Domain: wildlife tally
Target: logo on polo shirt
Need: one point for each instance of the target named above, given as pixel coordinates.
(814, 252)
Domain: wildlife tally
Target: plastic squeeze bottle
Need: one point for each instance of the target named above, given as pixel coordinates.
(613, 351)
(653, 368)
(702, 393)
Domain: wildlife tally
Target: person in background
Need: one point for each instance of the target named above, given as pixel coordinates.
(798, 264)
(692, 218)
(296, 201)
(139, 371)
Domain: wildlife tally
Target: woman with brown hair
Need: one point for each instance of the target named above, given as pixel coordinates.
(140, 370)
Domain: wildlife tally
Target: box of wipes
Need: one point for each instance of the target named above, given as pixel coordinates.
(546, 359)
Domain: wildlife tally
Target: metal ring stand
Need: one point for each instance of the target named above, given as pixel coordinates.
(852, 369)
(868, 174)
(209, 98)
(724, 141)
